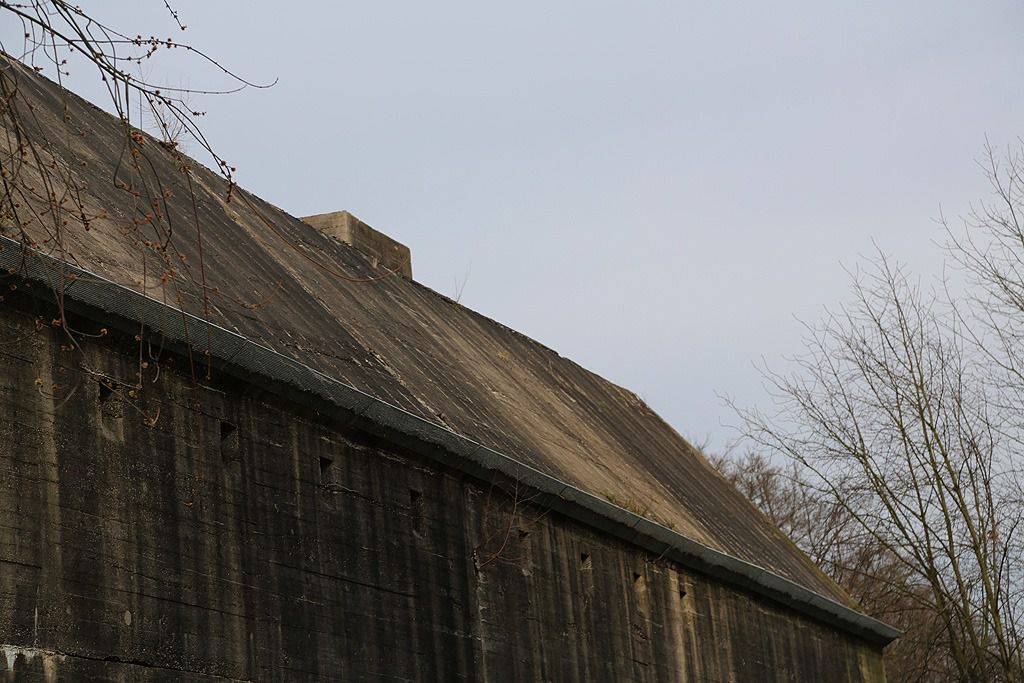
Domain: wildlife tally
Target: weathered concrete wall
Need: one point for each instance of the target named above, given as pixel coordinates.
(235, 539)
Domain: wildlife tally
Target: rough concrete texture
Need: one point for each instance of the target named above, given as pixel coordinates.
(235, 539)
(343, 226)
(275, 280)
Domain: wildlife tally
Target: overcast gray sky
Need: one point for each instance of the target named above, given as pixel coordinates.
(657, 190)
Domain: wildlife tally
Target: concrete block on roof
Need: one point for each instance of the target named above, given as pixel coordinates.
(345, 227)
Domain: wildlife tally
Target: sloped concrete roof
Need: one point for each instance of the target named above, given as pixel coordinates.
(276, 281)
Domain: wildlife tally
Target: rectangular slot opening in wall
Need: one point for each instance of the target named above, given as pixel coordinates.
(230, 448)
(325, 470)
(110, 409)
(585, 561)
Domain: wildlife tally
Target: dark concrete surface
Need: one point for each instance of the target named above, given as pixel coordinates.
(236, 538)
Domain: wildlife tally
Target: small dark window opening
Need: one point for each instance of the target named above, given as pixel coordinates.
(106, 391)
(415, 496)
(230, 447)
(682, 593)
(585, 560)
(636, 577)
(325, 470)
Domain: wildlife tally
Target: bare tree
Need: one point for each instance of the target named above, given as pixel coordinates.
(990, 248)
(58, 35)
(45, 197)
(874, 577)
(897, 418)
